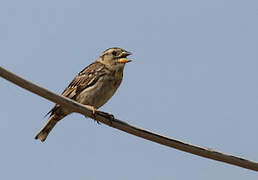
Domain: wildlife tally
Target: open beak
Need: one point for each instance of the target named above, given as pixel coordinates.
(123, 58)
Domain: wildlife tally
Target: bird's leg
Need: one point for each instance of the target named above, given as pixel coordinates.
(94, 110)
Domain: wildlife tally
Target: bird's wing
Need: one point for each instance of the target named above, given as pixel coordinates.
(86, 78)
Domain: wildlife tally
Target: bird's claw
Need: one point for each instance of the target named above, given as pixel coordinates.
(94, 111)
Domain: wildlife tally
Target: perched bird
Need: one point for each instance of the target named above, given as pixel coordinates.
(93, 86)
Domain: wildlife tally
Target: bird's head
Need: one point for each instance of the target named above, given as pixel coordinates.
(114, 57)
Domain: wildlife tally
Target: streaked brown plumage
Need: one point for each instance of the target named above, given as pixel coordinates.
(93, 86)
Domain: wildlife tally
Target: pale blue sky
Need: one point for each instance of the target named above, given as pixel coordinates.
(194, 78)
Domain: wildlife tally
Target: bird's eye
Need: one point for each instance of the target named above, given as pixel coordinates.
(114, 53)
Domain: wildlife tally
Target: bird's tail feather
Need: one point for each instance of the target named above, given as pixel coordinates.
(43, 133)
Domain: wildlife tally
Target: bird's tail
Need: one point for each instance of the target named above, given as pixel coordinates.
(43, 133)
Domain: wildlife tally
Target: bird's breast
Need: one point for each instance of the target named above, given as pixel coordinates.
(101, 92)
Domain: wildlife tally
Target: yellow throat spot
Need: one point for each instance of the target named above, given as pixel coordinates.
(119, 75)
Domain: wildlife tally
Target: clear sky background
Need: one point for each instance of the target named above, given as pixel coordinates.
(194, 77)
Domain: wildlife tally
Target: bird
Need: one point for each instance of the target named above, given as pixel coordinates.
(92, 87)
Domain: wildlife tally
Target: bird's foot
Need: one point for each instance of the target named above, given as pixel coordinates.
(94, 110)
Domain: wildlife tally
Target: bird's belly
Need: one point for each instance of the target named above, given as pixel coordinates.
(98, 95)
